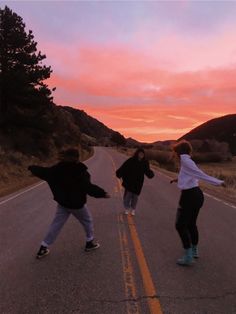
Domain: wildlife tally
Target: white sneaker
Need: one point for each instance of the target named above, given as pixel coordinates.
(133, 212)
(126, 212)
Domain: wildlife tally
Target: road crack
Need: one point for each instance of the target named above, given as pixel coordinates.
(146, 297)
(171, 297)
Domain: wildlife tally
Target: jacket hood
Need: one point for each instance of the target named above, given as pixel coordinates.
(139, 150)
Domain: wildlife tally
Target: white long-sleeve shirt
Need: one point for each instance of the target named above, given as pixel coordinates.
(190, 174)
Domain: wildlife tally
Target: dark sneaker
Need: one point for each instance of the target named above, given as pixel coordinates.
(90, 245)
(43, 251)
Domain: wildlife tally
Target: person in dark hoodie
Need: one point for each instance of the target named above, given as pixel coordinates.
(70, 183)
(132, 173)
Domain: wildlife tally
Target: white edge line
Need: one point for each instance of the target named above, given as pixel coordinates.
(219, 200)
(25, 191)
(91, 157)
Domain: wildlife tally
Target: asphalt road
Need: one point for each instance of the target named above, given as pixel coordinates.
(134, 271)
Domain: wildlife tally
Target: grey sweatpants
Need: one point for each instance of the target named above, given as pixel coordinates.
(130, 199)
(62, 214)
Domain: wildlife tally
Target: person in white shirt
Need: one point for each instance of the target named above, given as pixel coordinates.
(191, 200)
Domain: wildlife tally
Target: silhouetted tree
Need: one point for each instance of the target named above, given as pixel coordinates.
(21, 70)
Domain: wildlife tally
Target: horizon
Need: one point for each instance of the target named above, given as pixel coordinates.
(149, 70)
(163, 140)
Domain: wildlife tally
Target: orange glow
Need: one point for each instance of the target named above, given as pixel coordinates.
(138, 96)
(150, 124)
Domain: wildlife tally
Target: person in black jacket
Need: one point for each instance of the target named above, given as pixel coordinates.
(132, 173)
(70, 183)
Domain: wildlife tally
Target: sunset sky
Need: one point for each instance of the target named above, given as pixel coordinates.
(152, 70)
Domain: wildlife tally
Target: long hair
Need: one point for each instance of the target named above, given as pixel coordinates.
(139, 150)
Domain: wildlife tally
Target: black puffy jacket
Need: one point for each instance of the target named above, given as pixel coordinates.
(132, 172)
(69, 183)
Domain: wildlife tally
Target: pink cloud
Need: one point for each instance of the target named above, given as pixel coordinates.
(151, 123)
(130, 91)
(184, 52)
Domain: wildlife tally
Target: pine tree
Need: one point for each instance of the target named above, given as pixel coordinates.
(22, 73)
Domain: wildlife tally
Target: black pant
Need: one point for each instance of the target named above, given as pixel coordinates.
(189, 205)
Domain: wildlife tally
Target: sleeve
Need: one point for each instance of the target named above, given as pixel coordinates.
(43, 173)
(148, 172)
(191, 169)
(121, 171)
(92, 189)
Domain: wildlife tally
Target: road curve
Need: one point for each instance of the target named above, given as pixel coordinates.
(134, 271)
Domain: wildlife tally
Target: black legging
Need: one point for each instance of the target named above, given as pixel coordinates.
(189, 205)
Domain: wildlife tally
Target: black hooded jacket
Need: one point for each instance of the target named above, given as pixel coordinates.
(69, 183)
(132, 172)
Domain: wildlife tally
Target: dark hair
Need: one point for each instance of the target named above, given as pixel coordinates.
(71, 154)
(183, 147)
(139, 150)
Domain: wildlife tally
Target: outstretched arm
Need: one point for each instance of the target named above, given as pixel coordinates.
(190, 168)
(148, 172)
(43, 173)
(93, 189)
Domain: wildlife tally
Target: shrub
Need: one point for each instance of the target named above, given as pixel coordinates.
(162, 157)
(208, 157)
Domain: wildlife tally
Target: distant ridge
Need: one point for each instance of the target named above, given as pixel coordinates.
(131, 142)
(92, 127)
(222, 129)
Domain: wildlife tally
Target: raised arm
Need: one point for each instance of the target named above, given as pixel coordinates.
(43, 173)
(190, 168)
(93, 189)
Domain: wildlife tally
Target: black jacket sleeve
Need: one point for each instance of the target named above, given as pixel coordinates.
(148, 172)
(43, 173)
(92, 189)
(121, 171)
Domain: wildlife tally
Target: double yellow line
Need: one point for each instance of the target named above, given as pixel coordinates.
(130, 288)
(132, 305)
(153, 302)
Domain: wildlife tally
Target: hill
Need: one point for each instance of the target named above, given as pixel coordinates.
(96, 132)
(222, 129)
(42, 133)
(164, 143)
(130, 142)
(35, 136)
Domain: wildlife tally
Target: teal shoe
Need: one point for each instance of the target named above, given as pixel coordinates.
(195, 251)
(187, 259)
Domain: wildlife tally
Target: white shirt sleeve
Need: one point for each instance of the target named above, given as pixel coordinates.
(191, 169)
